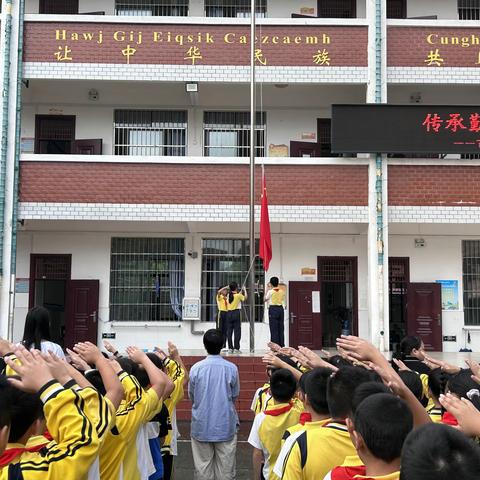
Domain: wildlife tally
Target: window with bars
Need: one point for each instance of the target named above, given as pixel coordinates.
(337, 8)
(63, 7)
(469, 9)
(148, 8)
(470, 156)
(396, 8)
(147, 279)
(225, 261)
(235, 8)
(471, 281)
(227, 134)
(150, 132)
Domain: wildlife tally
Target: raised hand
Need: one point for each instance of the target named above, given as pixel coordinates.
(272, 360)
(89, 352)
(32, 369)
(446, 367)
(274, 347)
(313, 360)
(173, 351)
(77, 361)
(160, 353)
(475, 368)
(137, 355)
(358, 348)
(6, 347)
(468, 417)
(58, 367)
(401, 366)
(109, 347)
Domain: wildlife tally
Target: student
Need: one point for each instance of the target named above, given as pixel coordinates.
(439, 452)
(269, 426)
(412, 354)
(222, 306)
(76, 441)
(437, 381)
(414, 383)
(379, 428)
(330, 443)
(235, 299)
(36, 333)
(275, 299)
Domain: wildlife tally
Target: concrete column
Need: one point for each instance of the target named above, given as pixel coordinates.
(378, 295)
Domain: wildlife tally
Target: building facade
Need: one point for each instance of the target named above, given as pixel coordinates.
(133, 178)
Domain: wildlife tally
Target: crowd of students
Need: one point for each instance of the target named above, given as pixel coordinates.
(355, 415)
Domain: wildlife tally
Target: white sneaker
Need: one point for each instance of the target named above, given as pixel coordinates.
(231, 351)
(224, 350)
(237, 351)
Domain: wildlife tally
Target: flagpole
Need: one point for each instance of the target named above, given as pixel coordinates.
(251, 279)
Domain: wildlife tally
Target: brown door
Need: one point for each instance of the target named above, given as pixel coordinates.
(82, 312)
(87, 147)
(59, 7)
(304, 149)
(54, 134)
(305, 326)
(424, 311)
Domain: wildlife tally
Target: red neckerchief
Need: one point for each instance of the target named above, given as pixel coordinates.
(347, 473)
(449, 419)
(48, 436)
(11, 454)
(275, 412)
(305, 417)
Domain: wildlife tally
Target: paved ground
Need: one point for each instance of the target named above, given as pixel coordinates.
(184, 461)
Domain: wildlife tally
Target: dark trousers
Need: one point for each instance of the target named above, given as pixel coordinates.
(167, 466)
(223, 325)
(234, 329)
(277, 327)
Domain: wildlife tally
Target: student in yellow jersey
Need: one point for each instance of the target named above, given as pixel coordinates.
(437, 382)
(275, 299)
(234, 330)
(222, 306)
(269, 426)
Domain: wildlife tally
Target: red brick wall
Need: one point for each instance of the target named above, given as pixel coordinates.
(434, 185)
(191, 184)
(409, 47)
(347, 45)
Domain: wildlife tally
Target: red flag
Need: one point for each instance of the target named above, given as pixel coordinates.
(265, 235)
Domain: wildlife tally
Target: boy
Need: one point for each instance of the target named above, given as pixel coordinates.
(76, 440)
(275, 299)
(269, 426)
(327, 446)
(378, 431)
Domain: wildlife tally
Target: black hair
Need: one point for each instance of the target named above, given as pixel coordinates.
(437, 382)
(464, 386)
(233, 287)
(37, 328)
(384, 422)
(439, 452)
(128, 366)
(414, 383)
(366, 390)
(341, 387)
(213, 341)
(25, 409)
(274, 282)
(288, 360)
(94, 377)
(338, 361)
(316, 383)
(142, 375)
(5, 402)
(283, 385)
(303, 380)
(408, 344)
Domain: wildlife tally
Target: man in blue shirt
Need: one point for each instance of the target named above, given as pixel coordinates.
(214, 386)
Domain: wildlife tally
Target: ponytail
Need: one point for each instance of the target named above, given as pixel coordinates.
(233, 287)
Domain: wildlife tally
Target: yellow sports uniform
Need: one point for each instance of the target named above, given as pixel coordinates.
(301, 426)
(177, 375)
(262, 399)
(312, 452)
(118, 455)
(435, 414)
(222, 303)
(75, 444)
(268, 429)
(277, 297)
(237, 298)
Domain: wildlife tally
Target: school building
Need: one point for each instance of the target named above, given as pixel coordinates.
(124, 168)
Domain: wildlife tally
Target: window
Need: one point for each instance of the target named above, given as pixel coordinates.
(469, 9)
(471, 281)
(337, 8)
(147, 279)
(54, 134)
(227, 134)
(235, 8)
(470, 156)
(148, 8)
(396, 8)
(150, 132)
(225, 261)
(324, 128)
(59, 7)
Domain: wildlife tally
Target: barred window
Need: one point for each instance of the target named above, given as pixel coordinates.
(337, 8)
(225, 261)
(469, 9)
(150, 132)
(471, 281)
(396, 8)
(235, 8)
(470, 156)
(148, 8)
(227, 134)
(147, 279)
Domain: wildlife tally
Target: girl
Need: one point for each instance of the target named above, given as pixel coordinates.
(235, 299)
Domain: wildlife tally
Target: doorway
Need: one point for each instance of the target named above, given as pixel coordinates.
(54, 134)
(398, 280)
(337, 277)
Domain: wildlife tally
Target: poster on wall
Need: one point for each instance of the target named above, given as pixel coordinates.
(449, 294)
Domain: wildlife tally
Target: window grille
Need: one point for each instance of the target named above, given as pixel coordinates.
(337, 271)
(150, 132)
(396, 8)
(52, 267)
(470, 156)
(471, 281)
(58, 7)
(235, 8)
(225, 261)
(148, 8)
(469, 9)
(227, 134)
(337, 8)
(147, 279)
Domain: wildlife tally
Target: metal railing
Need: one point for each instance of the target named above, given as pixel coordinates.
(234, 8)
(144, 8)
(469, 9)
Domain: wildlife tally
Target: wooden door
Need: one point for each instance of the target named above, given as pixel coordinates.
(58, 7)
(81, 324)
(88, 147)
(424, 313)
(304, 149)
(305, 326)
